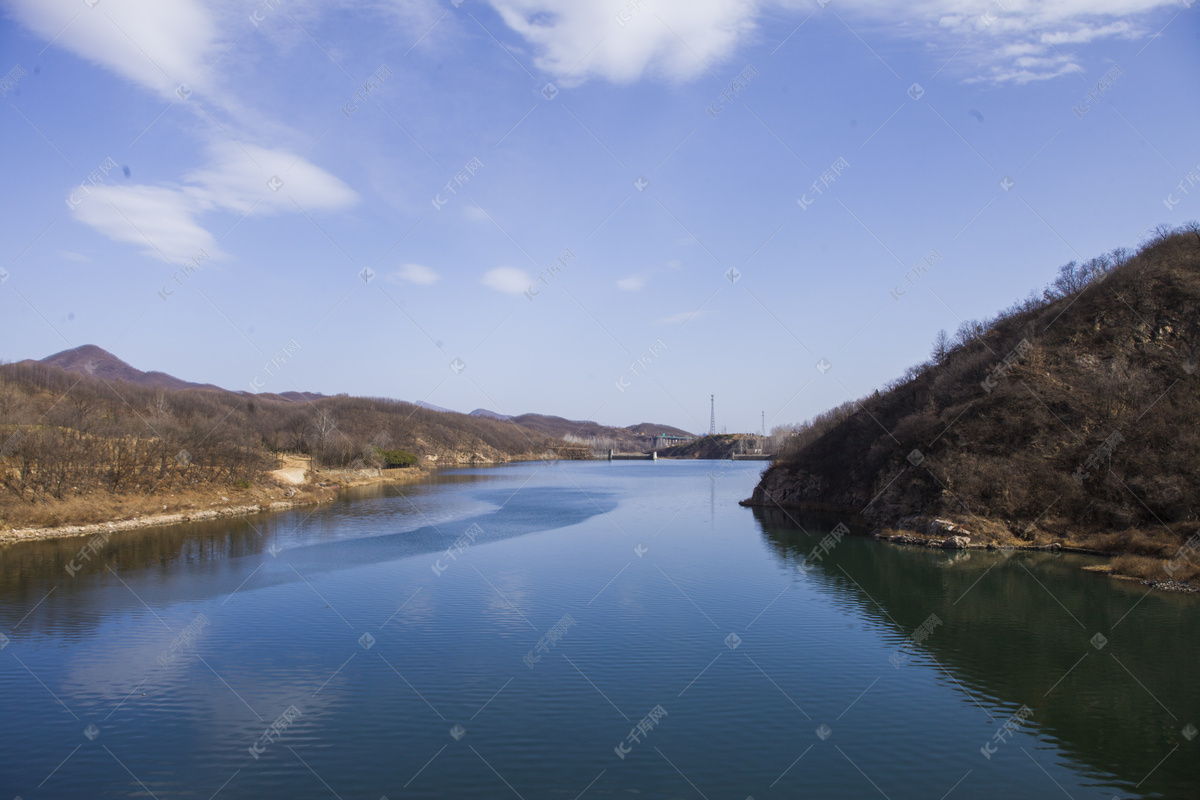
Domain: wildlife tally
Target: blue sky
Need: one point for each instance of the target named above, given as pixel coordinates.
(737, 190)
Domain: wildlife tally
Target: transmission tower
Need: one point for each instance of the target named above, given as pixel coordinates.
(712, 415)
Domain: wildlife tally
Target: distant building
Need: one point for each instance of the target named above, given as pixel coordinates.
(663, 441)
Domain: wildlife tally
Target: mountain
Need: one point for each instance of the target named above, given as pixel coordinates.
(1069, 418)
(97, 362)
(483, 412)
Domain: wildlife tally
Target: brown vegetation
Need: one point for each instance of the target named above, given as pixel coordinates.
(79, 447)
(1069, 417)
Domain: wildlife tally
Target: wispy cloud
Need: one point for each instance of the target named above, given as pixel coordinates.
(509, 280)
(684, 316)
(173, 49)
(418, 274)
(164, 220)
(158, 44)
(683, 39)
(631, 284)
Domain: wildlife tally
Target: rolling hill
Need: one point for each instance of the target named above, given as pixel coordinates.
(1070, 418)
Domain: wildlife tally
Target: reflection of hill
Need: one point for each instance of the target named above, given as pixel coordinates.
(194, 562)
(1006, 638)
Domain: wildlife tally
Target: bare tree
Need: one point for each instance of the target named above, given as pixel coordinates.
(941, 347)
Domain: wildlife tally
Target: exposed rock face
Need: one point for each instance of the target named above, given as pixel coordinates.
(944, 528)
(956, 543)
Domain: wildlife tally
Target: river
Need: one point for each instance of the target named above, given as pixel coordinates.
(581, 630)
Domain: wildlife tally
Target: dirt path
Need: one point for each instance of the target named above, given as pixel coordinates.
(294, 470)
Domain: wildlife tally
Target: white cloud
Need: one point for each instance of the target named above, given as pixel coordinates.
(631, 284)
(575, 40)
(159, 220)
(418, 274)
(158, 44)
(509, 280)
(475, 213)
(246, 180)
(243, 178)
(685, 316)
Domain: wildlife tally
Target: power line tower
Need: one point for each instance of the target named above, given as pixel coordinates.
(712, 415)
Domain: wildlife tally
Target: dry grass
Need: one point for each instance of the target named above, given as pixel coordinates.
(1155, 569)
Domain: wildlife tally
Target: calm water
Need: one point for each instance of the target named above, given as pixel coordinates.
(754, 669)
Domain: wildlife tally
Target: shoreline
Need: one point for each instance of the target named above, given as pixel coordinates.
(326, 487)
(306, 489)
(944, 534)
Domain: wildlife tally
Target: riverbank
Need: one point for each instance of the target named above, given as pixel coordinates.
(1133, 554)
(292, 486)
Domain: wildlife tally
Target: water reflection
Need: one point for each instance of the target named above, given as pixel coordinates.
(1020, 630)
(197, 561)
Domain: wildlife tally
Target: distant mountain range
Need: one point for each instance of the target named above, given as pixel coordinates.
(97, 362)
(91, 360)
